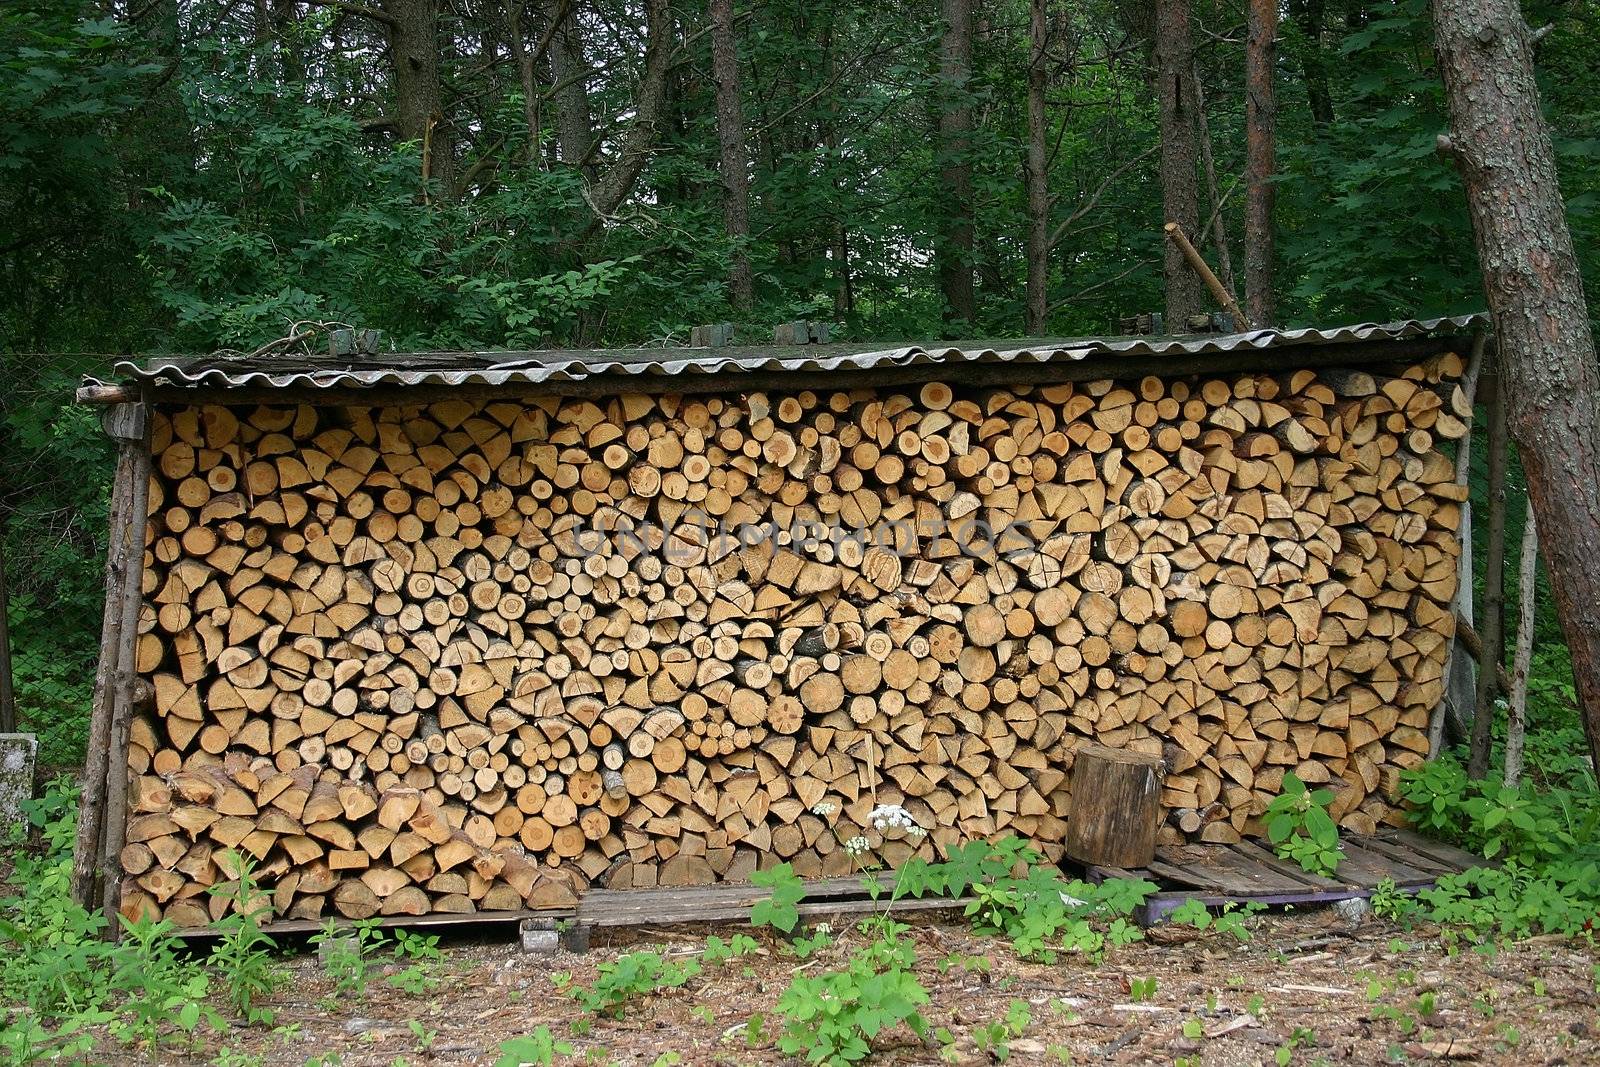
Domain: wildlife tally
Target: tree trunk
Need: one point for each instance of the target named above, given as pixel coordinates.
(734, 162)
(528, 79)
(1219, 226)
(1260, 126)
(1310, 16)
(413, 30)
(1179, 197)
(613, 187)
(1547, 355)
(1037, 175)
(1522, 659)
(568, 75)
(954, 249)
(1494, 591)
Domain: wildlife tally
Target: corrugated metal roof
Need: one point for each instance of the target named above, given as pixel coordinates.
(215, 373)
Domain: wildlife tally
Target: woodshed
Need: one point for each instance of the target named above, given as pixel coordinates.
(468, 632)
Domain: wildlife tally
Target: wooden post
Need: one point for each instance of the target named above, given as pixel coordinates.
(1198, 264)
(8, 697)
(1494, 590)
(1522, 659)
(1116, 807)
(1460, 677)
(128, 425)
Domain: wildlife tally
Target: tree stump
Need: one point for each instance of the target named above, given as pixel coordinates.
(1116, 807)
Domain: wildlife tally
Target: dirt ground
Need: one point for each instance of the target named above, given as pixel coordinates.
(1308, 988)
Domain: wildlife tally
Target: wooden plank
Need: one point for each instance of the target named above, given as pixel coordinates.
(291, 927)
(1457, 859)
(1220, 868)
(1284, 867)
(1399, 853)
(1367, 869)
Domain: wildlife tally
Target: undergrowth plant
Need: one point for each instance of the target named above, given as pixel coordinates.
(1546, 841)
(631, 977)
(243, 955)
(1300, 828)
(833, 1017)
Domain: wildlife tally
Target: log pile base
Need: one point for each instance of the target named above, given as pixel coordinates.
(1246, 871)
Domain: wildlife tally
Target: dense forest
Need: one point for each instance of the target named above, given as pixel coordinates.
(195, 174)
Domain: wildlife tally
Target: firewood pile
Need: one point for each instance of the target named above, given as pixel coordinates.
(458, 656)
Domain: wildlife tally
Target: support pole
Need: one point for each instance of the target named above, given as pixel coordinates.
(1197, 263)
(1494, 591)
(128, 425)
(8, 695)
(1449, 717)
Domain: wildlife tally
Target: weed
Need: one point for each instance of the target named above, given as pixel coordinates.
(832, 1018)
(244, 953)
(1142, 989)
(1300, 827)
(539, 1048)
(995, 1038)
(638, 974)
(1285, 1052)
(346, 954)
(720, 951)
(779, 910)
(1230, 920)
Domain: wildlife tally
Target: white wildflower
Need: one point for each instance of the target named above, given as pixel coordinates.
(916, 833)
(887, 817)
(856, 846)
(824, 808)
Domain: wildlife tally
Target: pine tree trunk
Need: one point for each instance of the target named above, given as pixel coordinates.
(954, 249)
(1179, 196)
(1219, 227)
(574, 135)
(8, 700)
(734, 165)
(1310, 15)
(1260, 160)
(413, 29)
(1547, 355)
(1037, 177)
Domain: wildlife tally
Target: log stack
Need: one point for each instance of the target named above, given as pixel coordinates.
(463, 656)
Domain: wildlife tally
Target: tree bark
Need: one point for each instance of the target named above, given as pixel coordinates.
(734, 163)
(1310, 16)
(568, 75)
(1179, 196)
(413, 32)
(1522, 659)
(615, 185)
(954, 249)
(1219, 226)
(1547, 355)
(528, 79)
(1260, 125)
(1494, 592)
(1036, 174)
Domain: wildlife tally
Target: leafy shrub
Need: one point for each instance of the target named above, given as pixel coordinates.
(638, 974)
(540, 1048)
(1548, 840)
(1032, 909)
(1300, 827)
(244, 954)
(779, 910)
(832, 1018)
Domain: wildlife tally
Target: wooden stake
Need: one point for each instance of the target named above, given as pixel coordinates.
(1198, 264)
(1522, 658)
(1494, 590)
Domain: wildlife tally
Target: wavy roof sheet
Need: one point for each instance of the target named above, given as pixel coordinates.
(490, 368)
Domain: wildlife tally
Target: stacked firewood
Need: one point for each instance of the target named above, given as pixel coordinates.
(459, 656)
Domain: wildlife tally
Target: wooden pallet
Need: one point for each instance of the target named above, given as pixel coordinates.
(1223, 874)
(653, 907)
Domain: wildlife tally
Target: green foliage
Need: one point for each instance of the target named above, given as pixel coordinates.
(243, 954)
(1034, 909)
(1229, 919)
(994, 1038)
(346, 954)
(1142, 989)
(832, 1018)
(539, 1048)
(720, 951)
(1300, 827)
(778, 910)
(1548, 839)
(636, 975)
